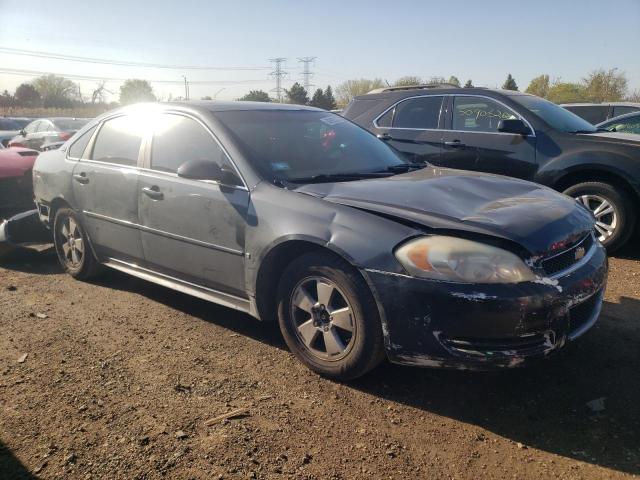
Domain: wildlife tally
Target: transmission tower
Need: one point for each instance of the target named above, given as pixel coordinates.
(278, 73)
(306, 73)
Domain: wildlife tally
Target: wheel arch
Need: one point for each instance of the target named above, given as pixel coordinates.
(276, 259)
(595, 174)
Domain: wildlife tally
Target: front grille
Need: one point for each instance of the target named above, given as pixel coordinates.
(518, 346)
(582, 313)
(569, 257)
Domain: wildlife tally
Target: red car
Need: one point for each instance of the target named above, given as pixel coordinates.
(16, 186)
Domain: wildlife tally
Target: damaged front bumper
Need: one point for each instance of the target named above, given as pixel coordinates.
(464, 326)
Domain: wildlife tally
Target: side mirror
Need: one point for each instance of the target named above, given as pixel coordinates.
(207, 170)
(22, 132)
(515, 126)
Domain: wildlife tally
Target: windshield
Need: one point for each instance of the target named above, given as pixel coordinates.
(556, 116)
(296, 144)
(66, 124)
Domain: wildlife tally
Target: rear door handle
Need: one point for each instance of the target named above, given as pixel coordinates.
(455, 144)
(153, 192)
(81, 178)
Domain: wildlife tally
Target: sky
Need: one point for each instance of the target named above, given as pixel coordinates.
(478, 40)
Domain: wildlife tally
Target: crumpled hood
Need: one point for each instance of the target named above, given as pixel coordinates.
(534, 216)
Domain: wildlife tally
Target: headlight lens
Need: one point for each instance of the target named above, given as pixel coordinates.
(459, 260)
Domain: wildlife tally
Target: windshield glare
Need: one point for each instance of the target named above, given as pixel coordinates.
(557, 117)
(293, 144)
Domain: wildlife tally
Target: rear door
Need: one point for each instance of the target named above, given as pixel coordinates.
(474, 143)
(192, 230)
(413, 127)
(105, 186)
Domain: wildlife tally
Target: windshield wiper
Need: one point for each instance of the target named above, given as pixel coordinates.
(405, 167)
(338, 177)
(586, 131)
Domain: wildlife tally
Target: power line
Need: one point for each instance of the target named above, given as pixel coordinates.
(74, 58)
(278, 73)
(31, 73)
(306, 73)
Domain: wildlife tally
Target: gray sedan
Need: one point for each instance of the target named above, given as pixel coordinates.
(296, 214)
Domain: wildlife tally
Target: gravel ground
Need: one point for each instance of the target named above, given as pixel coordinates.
(120, 378)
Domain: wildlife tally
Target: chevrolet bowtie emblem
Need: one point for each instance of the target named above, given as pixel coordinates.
(579, 254)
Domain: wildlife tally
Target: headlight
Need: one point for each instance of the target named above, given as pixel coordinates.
(458, 260)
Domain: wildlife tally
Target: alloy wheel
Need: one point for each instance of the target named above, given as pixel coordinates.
(324, 319)
(605, 213)
(72, 244)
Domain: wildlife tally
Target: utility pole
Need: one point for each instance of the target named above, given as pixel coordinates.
(186, 88)
(306, 73)
(278, 73)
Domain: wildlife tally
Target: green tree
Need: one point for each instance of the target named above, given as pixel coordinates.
(27, 96)
(510, 83)
(469, 84)
(539, 86)
(318, 99)
(256, 96)
(565, 92)
(135, 90)
(605, 85)
(55, 91)
(435, 79)
(453, 80)
(407, 81)
(352, 88)
(297, 95)
(329, 99)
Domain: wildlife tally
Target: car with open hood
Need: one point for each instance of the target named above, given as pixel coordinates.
(515, 134)
(296, 214)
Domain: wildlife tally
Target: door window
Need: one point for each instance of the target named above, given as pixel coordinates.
(32, 127)
(178, 139)
(119, 140)
(479, 114)
(421, 113)
(77, 149)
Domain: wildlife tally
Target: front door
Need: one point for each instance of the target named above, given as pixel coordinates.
(191, 229)
(105, 187)
(474, 143)
(412, 128)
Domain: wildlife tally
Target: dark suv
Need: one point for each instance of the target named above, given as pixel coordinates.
(514, 134)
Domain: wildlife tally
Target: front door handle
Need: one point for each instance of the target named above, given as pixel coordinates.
(384, 137)
(153, 192)
(81, 178)
(455, 144)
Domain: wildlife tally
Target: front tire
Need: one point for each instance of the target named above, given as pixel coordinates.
(329, 318)
(615, 217)
(72, 246)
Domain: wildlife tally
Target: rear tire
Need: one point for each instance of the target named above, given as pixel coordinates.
(612, 208)
(329, 318)
(72, 246)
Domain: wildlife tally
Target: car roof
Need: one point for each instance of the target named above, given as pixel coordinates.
(445, 90)
(595, 104)
(222, 106)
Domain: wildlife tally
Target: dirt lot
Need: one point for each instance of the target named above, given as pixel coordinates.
(121, 377)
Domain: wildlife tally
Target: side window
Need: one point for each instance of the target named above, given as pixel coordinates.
(479, 114)
(178, 139)
(591, 113)
(32, 127)
(44, 126)
(621, 110)
(385, 120)
(77, 149)
(422, 112)
(119, 140)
